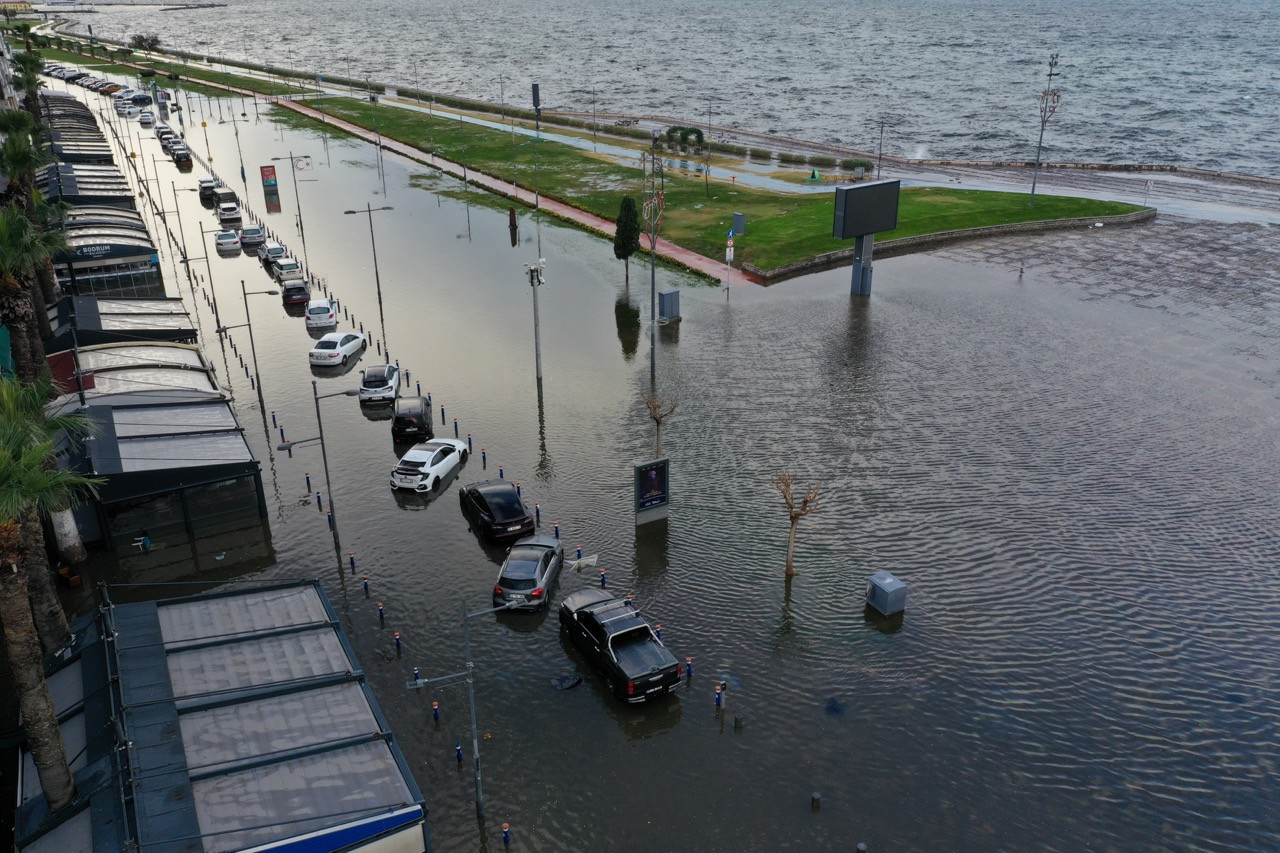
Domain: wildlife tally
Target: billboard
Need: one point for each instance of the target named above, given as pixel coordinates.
(652, 489)
(866, 209)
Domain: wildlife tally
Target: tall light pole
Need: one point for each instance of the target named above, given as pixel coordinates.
(1049, 99)
(293, 171)
(653, 215)
(253, 350)
(324, 456)
(178, 210)
(377, 280)
(880, 150)
(235, 124)
(535, 281)
(213, 291)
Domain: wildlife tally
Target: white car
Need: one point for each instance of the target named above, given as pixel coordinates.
(286, 269)
(381, 383)
(128, 110)
(146, 118)
(321, 314)
(270, 250)
(227, 241)
(337, 348)
(229, 212)
(426, 465)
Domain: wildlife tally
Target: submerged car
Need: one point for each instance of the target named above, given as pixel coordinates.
(426, 465)
(320, 312)
(253, 235)
(617, 641)
(380, 384)
(227, 241)
(296, 293)
(337, 348)
(207, 186)
(529, 574)
(269, 251)
(286, 269)
(229, 212)
(412, 420)
(495, 510)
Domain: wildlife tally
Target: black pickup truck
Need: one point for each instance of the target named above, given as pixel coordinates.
(617, 641)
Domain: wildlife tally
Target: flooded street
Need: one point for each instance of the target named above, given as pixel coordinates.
(1074, 467)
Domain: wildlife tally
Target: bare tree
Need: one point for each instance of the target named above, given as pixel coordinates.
(784, 482)
(655, 404)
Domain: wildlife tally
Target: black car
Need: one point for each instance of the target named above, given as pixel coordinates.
(296, 293)
(616, 640)
(495, 510)
(412, 420)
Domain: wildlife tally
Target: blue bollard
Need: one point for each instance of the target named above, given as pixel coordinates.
(419, 384)
(458, 749)
(557, 530)
(397, 636)
(519, 491)
(688, 667)
(417, 676)
(719, 698)
(657, 629)
(537, 513)
(364, 579)
(506, 834)
(579, 552)
(442, 417)
(502, 475)
(382, 614)
(351, 558)
(331, 521)
(435, 711)
(308, 476)
(455, 427)
(469, 447)
(604, 580)
(407, 374)
(282, 435)
(484, 458)
(319, 505)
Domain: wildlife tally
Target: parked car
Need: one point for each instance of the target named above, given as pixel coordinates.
(129, 111)
(227, 241)
(320, 312)
(380, 383)
(182, 156)
(146, 118)
(110, 88)
(225, 195)
(296, 293)
(207, 186)
(229, 212)
(617, 641)
(253, 235)
(337, 348)
(412, 420)
(427, 465)
(140, 99)
(75, 75)
(495, 511)
(530, 573)
(269, 251)
(286, 269)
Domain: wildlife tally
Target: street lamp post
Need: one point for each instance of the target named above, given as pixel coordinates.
(653, 213)
(1049, 99)
(880, 150)
(178, 210)
(293, 171)
(377, 279)
(213, 291)
(324, 456)
(253, 350)
(535, 281)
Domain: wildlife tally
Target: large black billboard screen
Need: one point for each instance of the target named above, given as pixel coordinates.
(866, 209)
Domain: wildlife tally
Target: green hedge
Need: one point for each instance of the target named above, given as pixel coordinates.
(851, 163)
(791, 158)
(760, 154)
(822, 161)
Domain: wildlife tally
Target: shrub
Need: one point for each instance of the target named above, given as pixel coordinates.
(823, 161)
(791, 158)
(851, 163)
(760, 154)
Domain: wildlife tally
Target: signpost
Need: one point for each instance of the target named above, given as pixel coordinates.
(728, 249)
(652, 490)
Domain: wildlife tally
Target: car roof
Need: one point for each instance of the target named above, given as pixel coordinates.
(230, 231)
(322, 301)
(411, 405)
(252, 228)
(336, 336)
(379, 370)
(538, 540)
(271, 244)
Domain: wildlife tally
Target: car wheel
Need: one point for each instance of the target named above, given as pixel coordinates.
(464, 456)
(435, 484)
(344, 360)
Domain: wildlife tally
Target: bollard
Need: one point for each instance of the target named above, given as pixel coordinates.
(253, 384)
(815, 800)
(557, 531)
(396, 634)
(455, 427)
(319, 505)
(719, 698)
(537, 513)
(407, 375)
(458, 749)
(469, 447)
(362, 328)
(428, 399)
(506, 834)
(502, 475)
(657, 630)
(378, 344)
(688, 666)
(282, 435)
(862, 847)
(419, 384)
(330, 514)
(308, 476)
(604, 581)
(484, 458)
(435, 711)
(579, 552)
(382, 615)
(519, 491)
(443, 421)
(364, 579)
(351, 558)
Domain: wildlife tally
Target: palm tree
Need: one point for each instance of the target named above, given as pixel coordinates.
(30, 485)
(23, 248)
(27, 79)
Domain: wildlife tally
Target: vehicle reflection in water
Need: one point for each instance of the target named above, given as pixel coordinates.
(297, 309)
(523, 622)
(637, 722)
(377, 411)
(412, 501)
(321, 371)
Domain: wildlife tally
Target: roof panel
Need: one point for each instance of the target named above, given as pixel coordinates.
(235, 616)
(73, 836)
(127, 355)
(140, 306)
(258, 662)
(157, 453)
(316, 792)
(146, 420)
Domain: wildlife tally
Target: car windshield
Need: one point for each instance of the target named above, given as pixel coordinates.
(327, 345)
(412, 464)
(505, 504)
(318, 309)
(517, 584)
(375, 382)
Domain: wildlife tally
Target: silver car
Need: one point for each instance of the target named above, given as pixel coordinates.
(530, 573)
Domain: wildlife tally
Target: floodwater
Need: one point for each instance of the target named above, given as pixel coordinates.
(1079, 491)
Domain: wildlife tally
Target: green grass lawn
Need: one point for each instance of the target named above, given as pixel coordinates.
(189, 75)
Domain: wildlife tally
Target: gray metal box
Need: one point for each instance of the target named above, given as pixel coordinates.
(739, 224)
(669, 304)
(886, 593)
